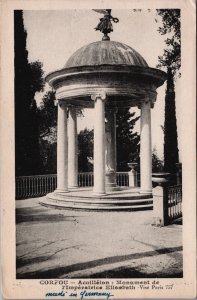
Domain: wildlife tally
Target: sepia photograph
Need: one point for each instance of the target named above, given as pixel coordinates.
(99, 176)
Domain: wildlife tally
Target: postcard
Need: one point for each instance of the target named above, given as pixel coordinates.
(98, 152)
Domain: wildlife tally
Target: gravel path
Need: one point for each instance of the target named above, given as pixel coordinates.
(54, 243)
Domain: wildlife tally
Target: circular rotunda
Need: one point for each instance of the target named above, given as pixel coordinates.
(103, 76)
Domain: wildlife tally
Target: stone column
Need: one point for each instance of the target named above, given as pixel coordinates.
(99, 144)
(62, 149)
(72, 149)
(145, 149)
(110, 149)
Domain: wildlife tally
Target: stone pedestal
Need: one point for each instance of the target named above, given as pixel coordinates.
(145, 149)
(132, 175)
(62, 150)
(110, 150)
(72, 149)
(160, 199)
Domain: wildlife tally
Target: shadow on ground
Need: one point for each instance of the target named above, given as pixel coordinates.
(121, 272)
(41, 215)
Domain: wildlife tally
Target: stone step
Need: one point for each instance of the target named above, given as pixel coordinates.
(92, 203)
(108, 197)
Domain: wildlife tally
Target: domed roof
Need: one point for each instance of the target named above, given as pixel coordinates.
(105, 53)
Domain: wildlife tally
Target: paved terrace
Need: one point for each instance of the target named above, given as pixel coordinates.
(54, 243)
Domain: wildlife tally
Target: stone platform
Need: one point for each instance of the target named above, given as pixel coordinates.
(82, 198)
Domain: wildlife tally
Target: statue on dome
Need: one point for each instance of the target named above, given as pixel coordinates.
(105, 25)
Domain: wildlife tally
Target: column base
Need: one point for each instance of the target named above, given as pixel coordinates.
(73, 187)
(112, 187)
(61, 191)
(95, 194)
(143, 191)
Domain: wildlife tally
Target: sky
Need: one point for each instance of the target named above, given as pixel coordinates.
(54, 35)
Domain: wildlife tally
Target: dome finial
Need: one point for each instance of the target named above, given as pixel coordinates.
(105, 24)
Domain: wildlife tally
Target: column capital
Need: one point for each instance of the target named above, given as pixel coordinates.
(72, 109)
(62, 104)
(150, 98)
(144, 102)
(101, 95)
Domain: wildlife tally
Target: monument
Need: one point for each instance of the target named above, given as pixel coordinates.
(103, 76)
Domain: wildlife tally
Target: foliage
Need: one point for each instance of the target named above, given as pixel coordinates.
(85, 148)
(171, 157)
(48, 132)
(47, 114)
(36, 78)
(48, 153)
(171, 27)
(171, 59)
(157, 164)
(28, 81)
(128, 141)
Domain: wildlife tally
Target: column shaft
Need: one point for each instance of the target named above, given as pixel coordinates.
(62, 150)
(72, 149)
(110, 149)
(99, 147)
(146, 149)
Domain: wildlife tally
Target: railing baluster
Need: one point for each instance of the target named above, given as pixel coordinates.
(37, 184)
(174, 201)
(37, 187)
(41, 185)
(48, 184)
(45, 185)
(34, 187)
(23, 188)
(51, 184)
(31, 186)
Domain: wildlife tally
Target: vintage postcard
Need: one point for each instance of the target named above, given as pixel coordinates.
(98, 197)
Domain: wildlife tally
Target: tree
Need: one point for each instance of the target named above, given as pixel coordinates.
(48, 133)
(157, 164)
(171, 157)
(170, 60)
(85, 148)
(28, 81)
(171, 57)
(128, 142)
(47, 114)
